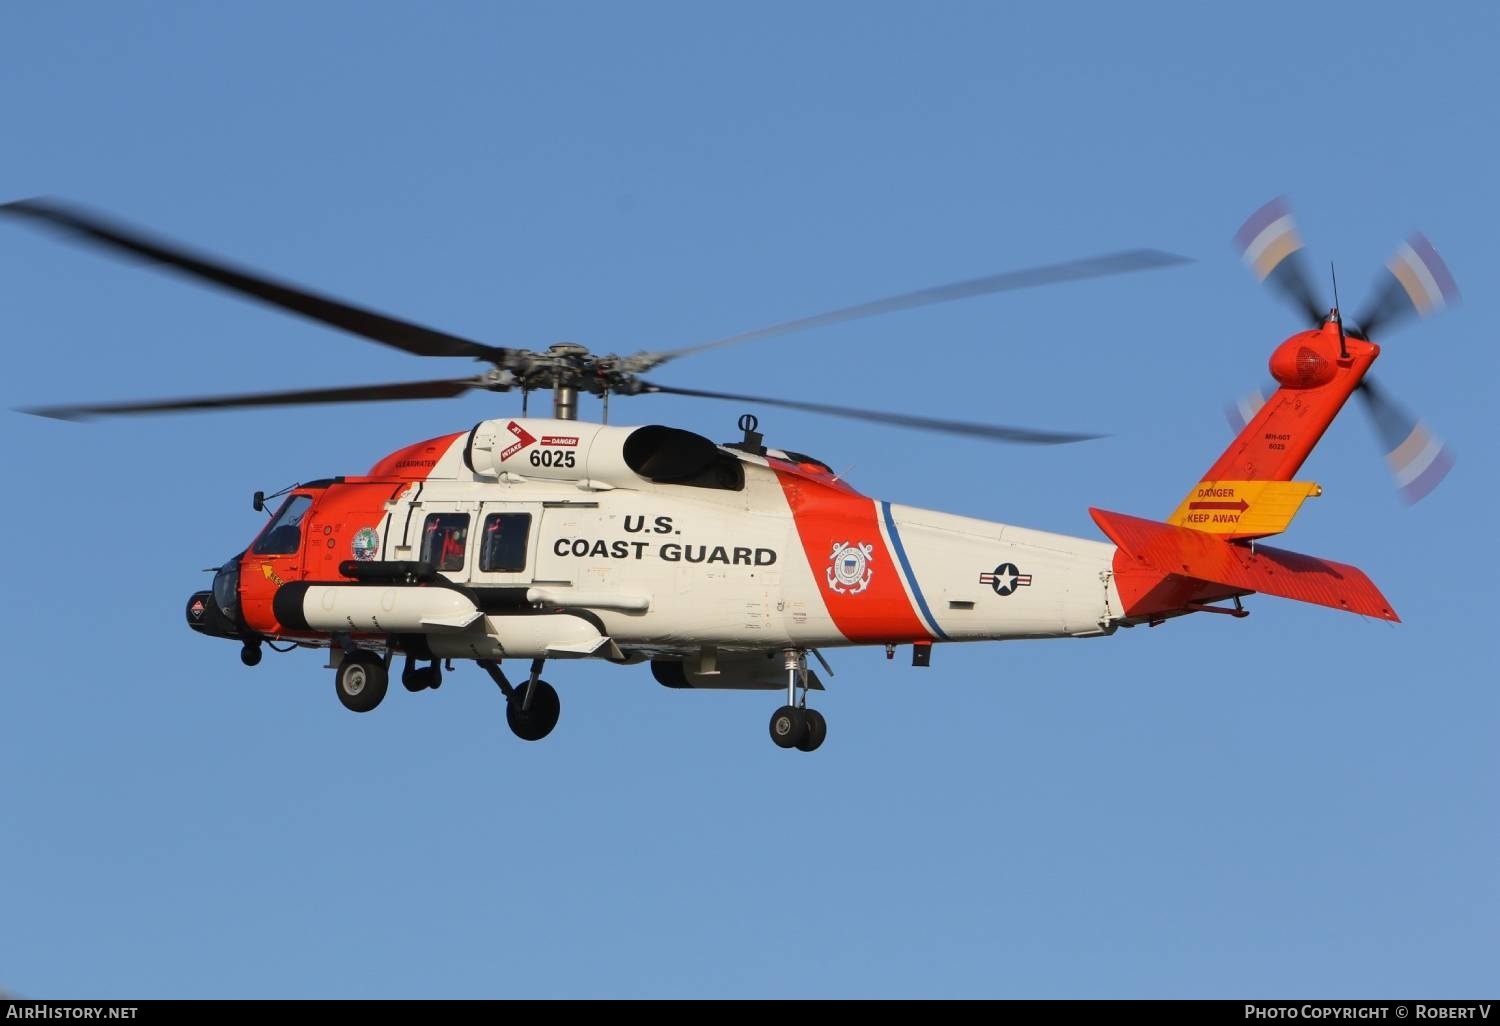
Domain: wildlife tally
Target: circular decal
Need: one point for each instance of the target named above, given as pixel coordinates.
(1005, 579)
(366, 543)
(849, 567)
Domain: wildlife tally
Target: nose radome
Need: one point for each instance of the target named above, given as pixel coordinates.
(205, 617)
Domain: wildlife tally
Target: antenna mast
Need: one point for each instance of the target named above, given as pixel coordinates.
(1338, 317)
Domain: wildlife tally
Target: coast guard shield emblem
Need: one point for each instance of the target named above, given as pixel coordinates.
(849, 567)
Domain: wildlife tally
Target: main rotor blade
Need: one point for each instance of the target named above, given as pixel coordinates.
(1269, 244)
(1416, 458)
(1419, 283)
(442, 389)
(953, 427)
(1095, 267)
(413, 338)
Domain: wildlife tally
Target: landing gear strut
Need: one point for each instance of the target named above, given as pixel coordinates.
(532, 708)
(794, 725)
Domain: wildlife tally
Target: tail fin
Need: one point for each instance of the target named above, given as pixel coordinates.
(1249, 491)
(1203, 553)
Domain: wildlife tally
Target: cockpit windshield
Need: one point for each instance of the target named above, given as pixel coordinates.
(284, 535)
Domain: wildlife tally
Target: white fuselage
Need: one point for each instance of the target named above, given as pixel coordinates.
(788, 558)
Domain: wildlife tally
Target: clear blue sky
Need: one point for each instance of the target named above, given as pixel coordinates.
(1301, 803)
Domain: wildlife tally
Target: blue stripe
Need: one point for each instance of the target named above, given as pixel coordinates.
(911, 578)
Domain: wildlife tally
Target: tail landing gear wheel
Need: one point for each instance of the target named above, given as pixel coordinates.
(817, 730)
(789, 726)
(540, 714)
(360, 681)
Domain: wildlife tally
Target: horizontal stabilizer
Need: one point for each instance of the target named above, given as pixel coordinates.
(1171, 550)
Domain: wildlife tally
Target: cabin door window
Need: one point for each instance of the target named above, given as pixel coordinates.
(505, 544)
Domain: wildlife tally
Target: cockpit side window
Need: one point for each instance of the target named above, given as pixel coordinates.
(505, 542)
(284, 536)
(444, 540)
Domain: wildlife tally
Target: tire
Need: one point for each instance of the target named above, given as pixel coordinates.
(817, 730)
(788, 726)
(537, 721)
(360, 681)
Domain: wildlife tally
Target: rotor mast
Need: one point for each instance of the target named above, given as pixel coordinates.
(565, 402)
(564, 379)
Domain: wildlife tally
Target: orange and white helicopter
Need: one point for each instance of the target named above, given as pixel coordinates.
(724, 565)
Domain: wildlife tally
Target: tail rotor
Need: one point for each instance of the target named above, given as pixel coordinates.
(1417, 283)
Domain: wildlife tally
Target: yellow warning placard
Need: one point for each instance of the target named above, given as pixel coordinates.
(1243, 509)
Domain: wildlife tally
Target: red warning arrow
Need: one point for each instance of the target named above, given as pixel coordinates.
(523, 439)
(1241, 505)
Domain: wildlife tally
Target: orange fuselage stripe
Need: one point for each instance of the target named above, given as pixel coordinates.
(827, 517)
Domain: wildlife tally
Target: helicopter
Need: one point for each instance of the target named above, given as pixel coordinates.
(725, 565)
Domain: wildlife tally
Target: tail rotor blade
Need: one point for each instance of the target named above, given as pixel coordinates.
(1418, 283)
(1271, 246)
(1417, 458)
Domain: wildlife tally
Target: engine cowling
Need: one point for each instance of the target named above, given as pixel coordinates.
(597, 455)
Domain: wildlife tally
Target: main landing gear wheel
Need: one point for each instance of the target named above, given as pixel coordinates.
(360, 681)
(794, 725)
(817, 730)
(532, 718)
(789, 726)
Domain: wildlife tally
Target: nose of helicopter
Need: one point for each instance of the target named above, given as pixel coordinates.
(216, 611)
